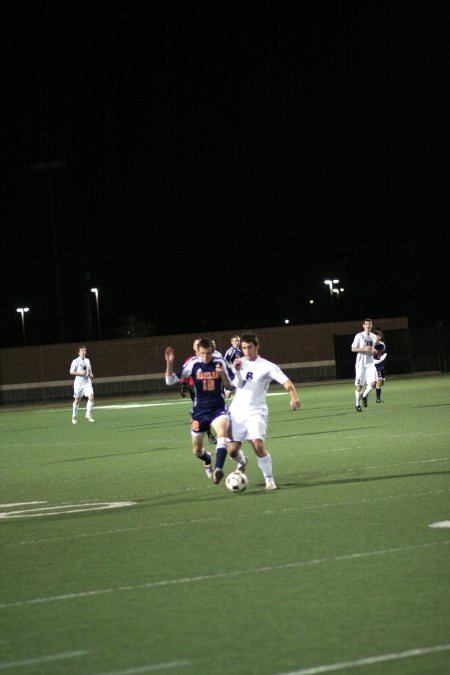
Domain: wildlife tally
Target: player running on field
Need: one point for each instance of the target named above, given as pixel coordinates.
(249, 411)
(363, 346)
(210, 375)
(82, 385)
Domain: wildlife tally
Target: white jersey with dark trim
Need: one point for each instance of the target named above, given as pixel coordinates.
(84, 365)
(363, 339)
(252, 386)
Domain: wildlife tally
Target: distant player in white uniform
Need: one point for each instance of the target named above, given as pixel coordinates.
(249, 411)
(365, 368)
(82, 385)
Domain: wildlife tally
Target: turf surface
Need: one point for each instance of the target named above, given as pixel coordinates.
(119, 556)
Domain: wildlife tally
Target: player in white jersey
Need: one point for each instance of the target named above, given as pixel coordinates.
(248, 411)
(82, 385)
(365, 370)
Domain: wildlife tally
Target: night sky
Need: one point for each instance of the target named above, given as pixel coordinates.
(215, 162)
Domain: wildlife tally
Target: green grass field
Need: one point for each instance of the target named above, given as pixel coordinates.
(118, 556)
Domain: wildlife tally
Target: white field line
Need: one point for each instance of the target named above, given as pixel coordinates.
(126, 406)
(219, 575)
(149, 668)
(5, 665)
(215, 519)
(385, 466)
(369, 660)
(59, 509)
(7, 506)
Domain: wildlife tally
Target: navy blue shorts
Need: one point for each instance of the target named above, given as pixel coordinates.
(202, 420)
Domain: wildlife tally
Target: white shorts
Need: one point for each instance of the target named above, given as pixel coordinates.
(365, 375)
(83, 390)
(255, 426)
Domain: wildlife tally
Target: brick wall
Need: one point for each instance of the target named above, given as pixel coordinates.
(131, 357)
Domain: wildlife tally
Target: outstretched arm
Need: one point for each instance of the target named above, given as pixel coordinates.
(295, 401)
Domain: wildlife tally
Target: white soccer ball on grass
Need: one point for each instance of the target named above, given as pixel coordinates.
(236, 481)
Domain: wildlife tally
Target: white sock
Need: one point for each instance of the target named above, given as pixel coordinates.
(239, 457)
(74, 409)
(90, 405)
(358, 397)
(265, 464)
(368, 390)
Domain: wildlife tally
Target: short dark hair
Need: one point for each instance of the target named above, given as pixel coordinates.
(206, 343)
(250, 337)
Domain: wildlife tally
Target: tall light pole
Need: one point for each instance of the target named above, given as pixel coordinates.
(331, 283)
(22, 311)
(95, 291)
(48, 168)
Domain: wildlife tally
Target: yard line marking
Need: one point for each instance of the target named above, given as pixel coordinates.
(43, 659)
(369, 660)
(384, 466)
(7, 506)
(62, 509)
(218, 575)
(149, 668)
(195, 521)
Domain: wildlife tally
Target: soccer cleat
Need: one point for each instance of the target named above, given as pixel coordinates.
(364, 400)
(74, 420)
(380, 400)
(270, 484)
(358, 408)
(209, 467)
(242, 466)
(217, 476)
(90, 418)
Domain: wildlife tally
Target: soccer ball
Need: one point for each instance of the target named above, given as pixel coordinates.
(236, 481)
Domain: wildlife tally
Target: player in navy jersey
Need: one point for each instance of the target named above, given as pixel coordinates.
(233, 352)
(380, 347)
(210, 375)
(187, 384)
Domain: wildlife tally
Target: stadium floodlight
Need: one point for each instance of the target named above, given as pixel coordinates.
(22, 311)
(331, 283)
(95, 291)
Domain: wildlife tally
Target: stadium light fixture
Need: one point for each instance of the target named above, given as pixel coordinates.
(95, 291)
(331, 283)
(22, 311)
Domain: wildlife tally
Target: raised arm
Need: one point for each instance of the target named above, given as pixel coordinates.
(170, 376)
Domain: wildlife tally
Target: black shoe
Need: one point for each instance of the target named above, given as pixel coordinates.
(358, 408)
(380, 400)
(217, 476)
(209, 469)
(364, 400)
